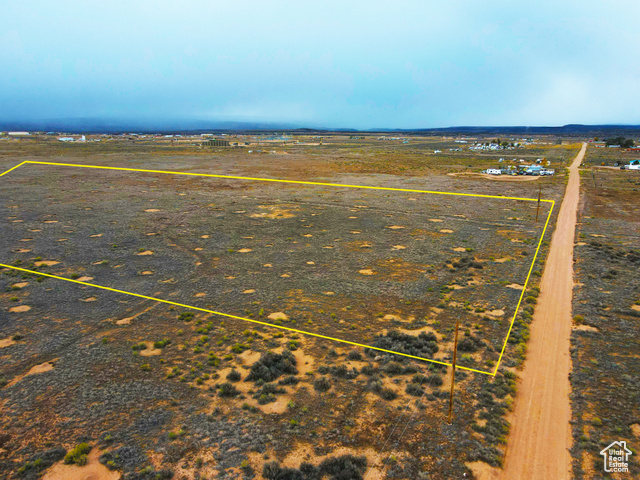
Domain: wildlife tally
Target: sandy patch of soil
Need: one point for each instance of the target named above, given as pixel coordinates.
(22, 250)
(200, 294)
(635, 428)
(395, 227)
(245, 250)
(635, 307)
(502, 260)
(48, 263)
(328, 293)
(40, 368)
(51, 221)
(152, 210)
(278, 316)
(483, 471)
(459, 249)
(146, 252)
(96, 235)
(580, 244)
(250, 290)
(366, 271)
(435, 220)
(124, 321)
(20, 309)
(274, 212)
(249, 357)
(150, 351)
(515, 286)
(90, 299)
(585, 328)
(6, 342)
(24, 284)
(446, 230)
(26, 240)
(204, 236)
(146, 272)
(85, 279)
(93, 470)
(398, 247)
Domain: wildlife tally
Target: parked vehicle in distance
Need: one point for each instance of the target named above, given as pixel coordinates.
(633, 165)
(494, 171)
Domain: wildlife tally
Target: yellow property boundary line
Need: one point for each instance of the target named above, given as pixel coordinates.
(493, 373)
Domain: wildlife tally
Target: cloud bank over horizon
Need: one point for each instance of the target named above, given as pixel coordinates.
(409, 64)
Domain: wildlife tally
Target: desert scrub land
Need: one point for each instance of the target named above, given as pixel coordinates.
(606, 309)
(156, 389)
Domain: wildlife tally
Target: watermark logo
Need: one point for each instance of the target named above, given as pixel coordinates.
(616, 457)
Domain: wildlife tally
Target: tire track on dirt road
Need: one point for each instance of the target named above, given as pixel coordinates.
(540, 439)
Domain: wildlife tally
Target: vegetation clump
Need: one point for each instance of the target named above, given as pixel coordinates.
(467, 262)
(272, 365)
(345, 467)
(422, 345)
(228, 390)
(322, 384)
(78, 455)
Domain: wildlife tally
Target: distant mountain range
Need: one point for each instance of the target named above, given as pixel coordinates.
(99, 125)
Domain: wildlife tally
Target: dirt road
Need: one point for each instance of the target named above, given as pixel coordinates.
(540, 439)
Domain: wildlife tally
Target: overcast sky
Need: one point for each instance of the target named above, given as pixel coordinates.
(359, 64)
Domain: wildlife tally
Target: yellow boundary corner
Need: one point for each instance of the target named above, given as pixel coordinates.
(491, 373)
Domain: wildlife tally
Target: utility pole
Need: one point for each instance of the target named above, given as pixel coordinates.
(539, 196)
(453, 371)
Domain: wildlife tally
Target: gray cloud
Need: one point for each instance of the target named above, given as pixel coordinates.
(347, 64)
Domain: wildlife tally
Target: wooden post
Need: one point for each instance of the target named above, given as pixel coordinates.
(453, 370)
(538, 208)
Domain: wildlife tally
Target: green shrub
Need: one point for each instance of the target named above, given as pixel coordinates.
(78, 455)
(531, 300)
(388, 394)
(162, 343)
(322, 384)
(227, 390)
(414, 389)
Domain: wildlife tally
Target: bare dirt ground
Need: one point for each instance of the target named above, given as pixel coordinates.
(541, 435)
